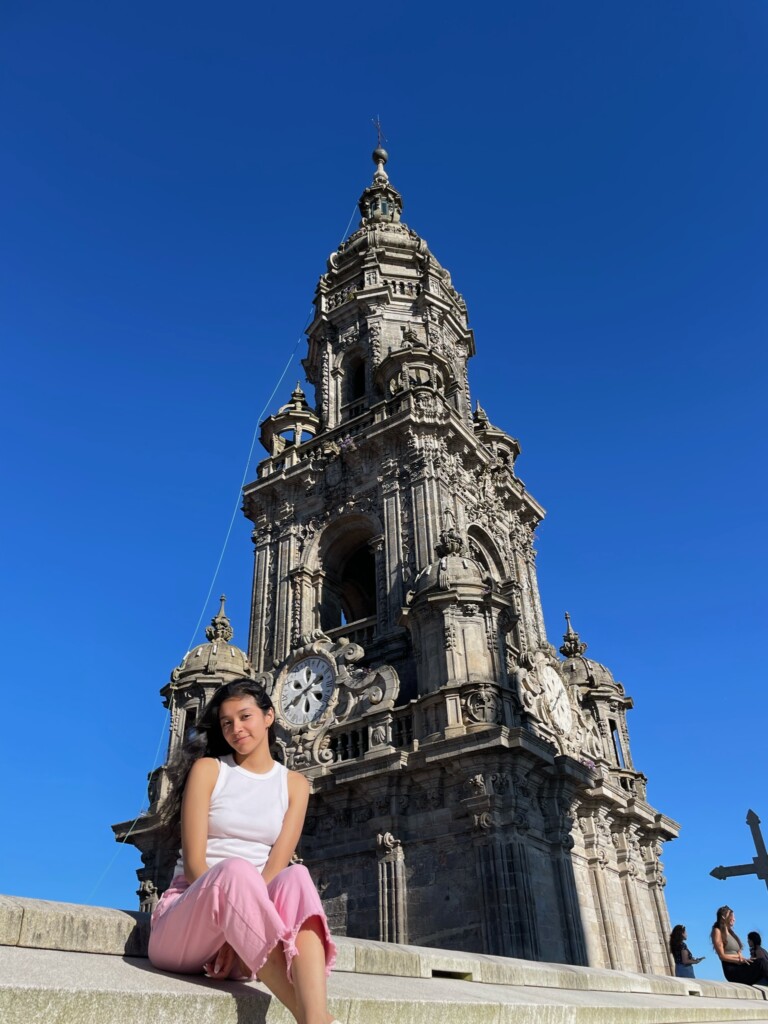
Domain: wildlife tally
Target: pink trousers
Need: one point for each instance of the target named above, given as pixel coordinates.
(232, 903)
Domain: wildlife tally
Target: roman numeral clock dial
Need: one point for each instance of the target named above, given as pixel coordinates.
(306, 692)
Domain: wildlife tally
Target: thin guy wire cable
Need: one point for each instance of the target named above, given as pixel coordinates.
(246, 470)
(218, 564)
(349, 223)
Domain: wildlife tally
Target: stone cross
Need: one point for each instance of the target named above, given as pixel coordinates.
(759, 865)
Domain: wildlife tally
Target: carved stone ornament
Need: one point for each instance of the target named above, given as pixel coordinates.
(478, 785)
(320, 687)
(482, 706)
(386, 842)
(483, 821)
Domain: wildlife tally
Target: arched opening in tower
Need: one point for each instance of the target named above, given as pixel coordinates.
(354, 386)
(349, 577)
(486, 553)
(357, 381)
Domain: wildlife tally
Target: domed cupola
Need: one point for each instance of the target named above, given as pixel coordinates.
(215, 662)
(608, 704)
(452, 569)
(451, 611)
(587, 674)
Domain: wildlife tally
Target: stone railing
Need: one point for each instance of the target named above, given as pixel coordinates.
(361, 631)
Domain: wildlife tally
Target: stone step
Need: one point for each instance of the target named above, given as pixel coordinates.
(67, 964)
(39, 985)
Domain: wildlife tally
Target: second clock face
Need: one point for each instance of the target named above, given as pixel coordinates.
(306, 692)
(556, 698)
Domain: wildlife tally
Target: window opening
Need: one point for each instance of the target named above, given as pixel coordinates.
(617, 743)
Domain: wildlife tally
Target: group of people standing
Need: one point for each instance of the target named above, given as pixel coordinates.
(751, 970)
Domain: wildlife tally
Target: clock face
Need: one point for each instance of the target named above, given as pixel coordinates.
(306, 692)
(556, 699)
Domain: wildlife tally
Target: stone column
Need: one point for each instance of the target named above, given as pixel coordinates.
(148, 896)
(503, 876)
(597, 868)
(377, 548)
(628, 874)
(538, 611)
(393, 896)
(596, 842)
(427, 515)
(302, 599)
(522, 903)
(528, 627)
(335, 397)
(561, 838)
(325, 389)
(638, 933)
(656, 882)
(496, 931)
(282, 598)
(393, 552)
(261, 612)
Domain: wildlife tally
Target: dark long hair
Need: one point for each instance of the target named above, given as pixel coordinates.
(204, 740)
(676, 939)
(721, 925)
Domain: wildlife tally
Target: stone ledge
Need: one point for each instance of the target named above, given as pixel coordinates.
(67, 927)
(42, 924)
(88, 988)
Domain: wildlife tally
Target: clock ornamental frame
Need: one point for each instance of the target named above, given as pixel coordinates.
(305, 691)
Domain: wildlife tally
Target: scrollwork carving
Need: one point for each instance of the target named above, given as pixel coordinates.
(358, 693)
(483, 821)
(387, 843)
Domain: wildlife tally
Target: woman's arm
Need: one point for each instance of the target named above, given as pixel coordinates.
(293, 822)
(685, 957)
(194, 816)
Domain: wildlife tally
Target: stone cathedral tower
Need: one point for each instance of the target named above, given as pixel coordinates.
(471, 789)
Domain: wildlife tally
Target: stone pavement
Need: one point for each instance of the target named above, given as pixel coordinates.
(67, 964)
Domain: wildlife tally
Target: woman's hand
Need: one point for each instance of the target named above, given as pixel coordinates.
(224, 964)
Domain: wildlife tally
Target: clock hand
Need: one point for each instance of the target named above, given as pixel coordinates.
(301, 693)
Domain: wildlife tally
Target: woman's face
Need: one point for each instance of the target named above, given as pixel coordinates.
(730, 919)
(243, 724)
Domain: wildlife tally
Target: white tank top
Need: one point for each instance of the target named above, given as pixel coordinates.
(245, 815)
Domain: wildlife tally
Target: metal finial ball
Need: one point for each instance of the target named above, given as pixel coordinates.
(380, 155)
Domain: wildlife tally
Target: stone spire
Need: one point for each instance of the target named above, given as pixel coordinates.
(298, 398)
(380, 201)
(220, 627)
(480, 417)
(572, 646)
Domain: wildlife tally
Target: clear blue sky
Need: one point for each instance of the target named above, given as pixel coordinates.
(174, 177)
